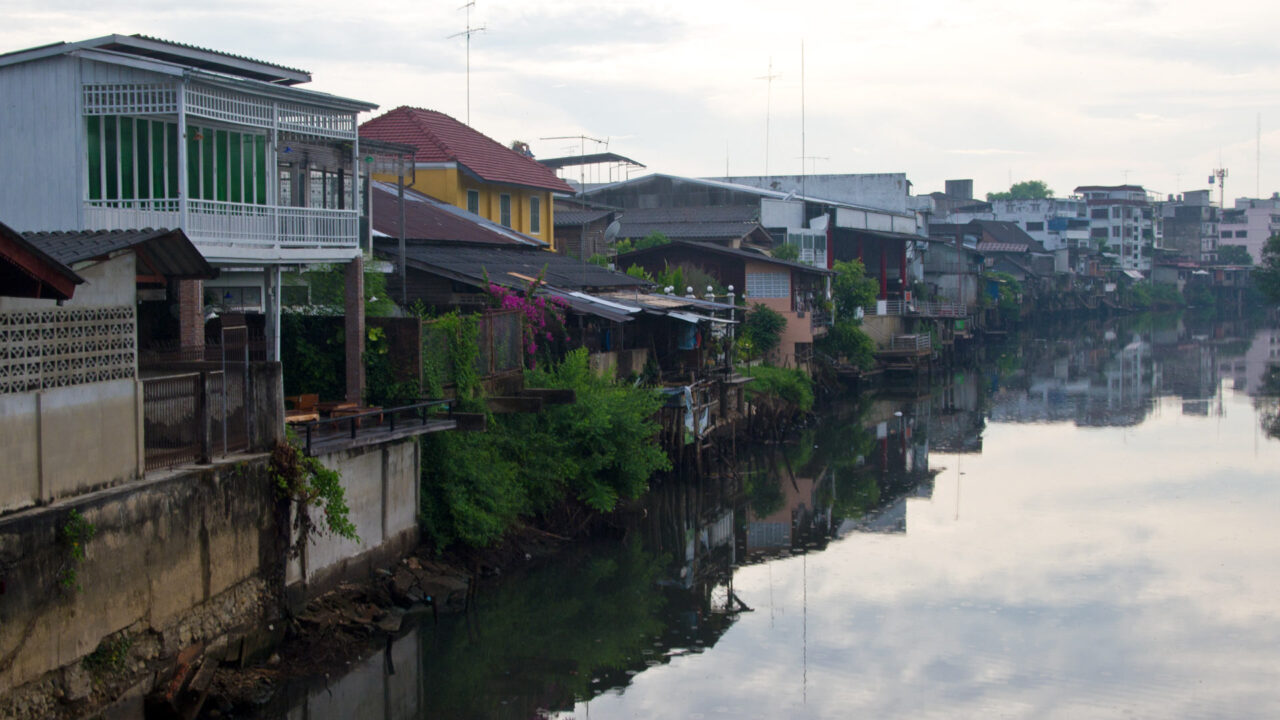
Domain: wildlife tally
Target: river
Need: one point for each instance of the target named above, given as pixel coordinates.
(1084, 525)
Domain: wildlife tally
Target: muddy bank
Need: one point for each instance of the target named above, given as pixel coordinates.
(352, 622)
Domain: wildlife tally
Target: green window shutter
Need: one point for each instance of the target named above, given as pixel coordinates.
(158, 182)
(260, 167)
(142, 148)
(127, 189)
(236, 169)
(207, 188)
(112, 158)
(220, 153)
(171, 141)
(193, 162)
(94, 130)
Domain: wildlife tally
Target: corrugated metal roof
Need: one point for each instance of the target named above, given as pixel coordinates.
(165, 252)
(511, 265)
(426, 218)
(440, 138)
(997, 247)
(570, 218)
(734, 252)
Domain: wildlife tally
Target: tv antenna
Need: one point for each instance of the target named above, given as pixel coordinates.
(467, 34)
(768, 106)
(582, 150)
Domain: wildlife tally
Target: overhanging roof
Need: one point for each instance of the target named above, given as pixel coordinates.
(589, 159)
(713, 249)
(507, 265)
(27, 271)
(167, 253)
(170, 52)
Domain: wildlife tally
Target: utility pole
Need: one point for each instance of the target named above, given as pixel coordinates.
(467, 34)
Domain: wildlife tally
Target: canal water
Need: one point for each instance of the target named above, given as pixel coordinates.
(1085, 524)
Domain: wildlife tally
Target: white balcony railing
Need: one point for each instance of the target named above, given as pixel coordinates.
(210, 222)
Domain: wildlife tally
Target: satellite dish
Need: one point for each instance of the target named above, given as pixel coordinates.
(611, 232)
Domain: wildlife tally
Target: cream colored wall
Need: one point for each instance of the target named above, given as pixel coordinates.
(381, 485)
(63, 441)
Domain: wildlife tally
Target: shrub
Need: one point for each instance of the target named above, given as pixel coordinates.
(762, 329)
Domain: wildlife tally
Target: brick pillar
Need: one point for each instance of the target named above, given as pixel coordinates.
(354, 324)
(191, 316)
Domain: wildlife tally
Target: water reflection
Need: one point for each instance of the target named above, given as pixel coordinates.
(1082, 526)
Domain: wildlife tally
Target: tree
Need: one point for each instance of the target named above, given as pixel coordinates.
(762, 329)
(1267, 275)
(787, 251)
(851, 288)
(1234, 255)
(1026, 190)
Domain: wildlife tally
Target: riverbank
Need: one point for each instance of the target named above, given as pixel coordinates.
(358, 619)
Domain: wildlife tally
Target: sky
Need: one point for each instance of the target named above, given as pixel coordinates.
(1090, 92)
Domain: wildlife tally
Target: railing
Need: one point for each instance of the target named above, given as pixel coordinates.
(192, 417)
(943, 308)
(910, 343)
(217, 222)
(884, 308)
(416, 414)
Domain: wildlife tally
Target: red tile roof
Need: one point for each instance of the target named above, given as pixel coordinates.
(440, 138)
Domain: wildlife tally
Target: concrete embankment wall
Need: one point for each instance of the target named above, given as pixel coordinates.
(162, 548)
(184, 557)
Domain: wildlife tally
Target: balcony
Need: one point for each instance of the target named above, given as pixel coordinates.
(227, 231)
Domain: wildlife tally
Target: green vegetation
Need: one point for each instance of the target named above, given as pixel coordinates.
(851, 290)
(1234, 255)
(110, 655)
(597, 451)
(787, 251)
(1026, 190)
(1008, 294)
(323, 291)
(761, 331)
(304, 481)
(788, 385)
(74, 535)
(653, 239)
(450, 345)
(1267, 275)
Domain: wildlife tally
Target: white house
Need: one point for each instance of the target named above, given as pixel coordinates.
(128, 132)
(1123, 218)
(1251, 223)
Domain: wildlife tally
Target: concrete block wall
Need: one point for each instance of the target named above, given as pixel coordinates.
(381, 483)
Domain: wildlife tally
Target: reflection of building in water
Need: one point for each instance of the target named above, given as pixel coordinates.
(798, 517)
(1247, 371)
(955, 420)
(1080, 383)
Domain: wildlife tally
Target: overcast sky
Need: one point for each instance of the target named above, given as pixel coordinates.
(1090, 92)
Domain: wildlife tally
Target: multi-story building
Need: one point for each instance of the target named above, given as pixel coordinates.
(128, 132)
(1057, 223)
(1190, 223)
(1123, 222)
(1250, 224)
(467, 169)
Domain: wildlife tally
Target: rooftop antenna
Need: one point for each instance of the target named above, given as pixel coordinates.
(467, 34)
(768, 106)
(582, 150)
(1221, 175)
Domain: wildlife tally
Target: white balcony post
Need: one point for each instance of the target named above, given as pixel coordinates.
(183, 197)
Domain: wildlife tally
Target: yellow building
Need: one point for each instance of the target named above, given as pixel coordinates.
(458, 165)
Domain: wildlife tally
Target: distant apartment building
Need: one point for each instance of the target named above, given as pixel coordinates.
(1190, 226)
(1123, 222)
(1057, 223)
(1250, 223)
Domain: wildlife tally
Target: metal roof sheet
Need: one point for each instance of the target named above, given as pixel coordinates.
(426, 218)
(509, 265)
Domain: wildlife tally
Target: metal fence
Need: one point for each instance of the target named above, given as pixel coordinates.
(910, 342)
(192, 417)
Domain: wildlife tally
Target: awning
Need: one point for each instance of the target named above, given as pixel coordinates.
(1134, 274)
(696, 318)
(588, 305)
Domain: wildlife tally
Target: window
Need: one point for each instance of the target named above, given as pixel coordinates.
(473, 201)
(137, 159)
(1115, 212)
(768, 285)
(325, 189)
(1035, 226)
(504, 209)
(1115, 231)
(1098, 213)
(535, 215)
